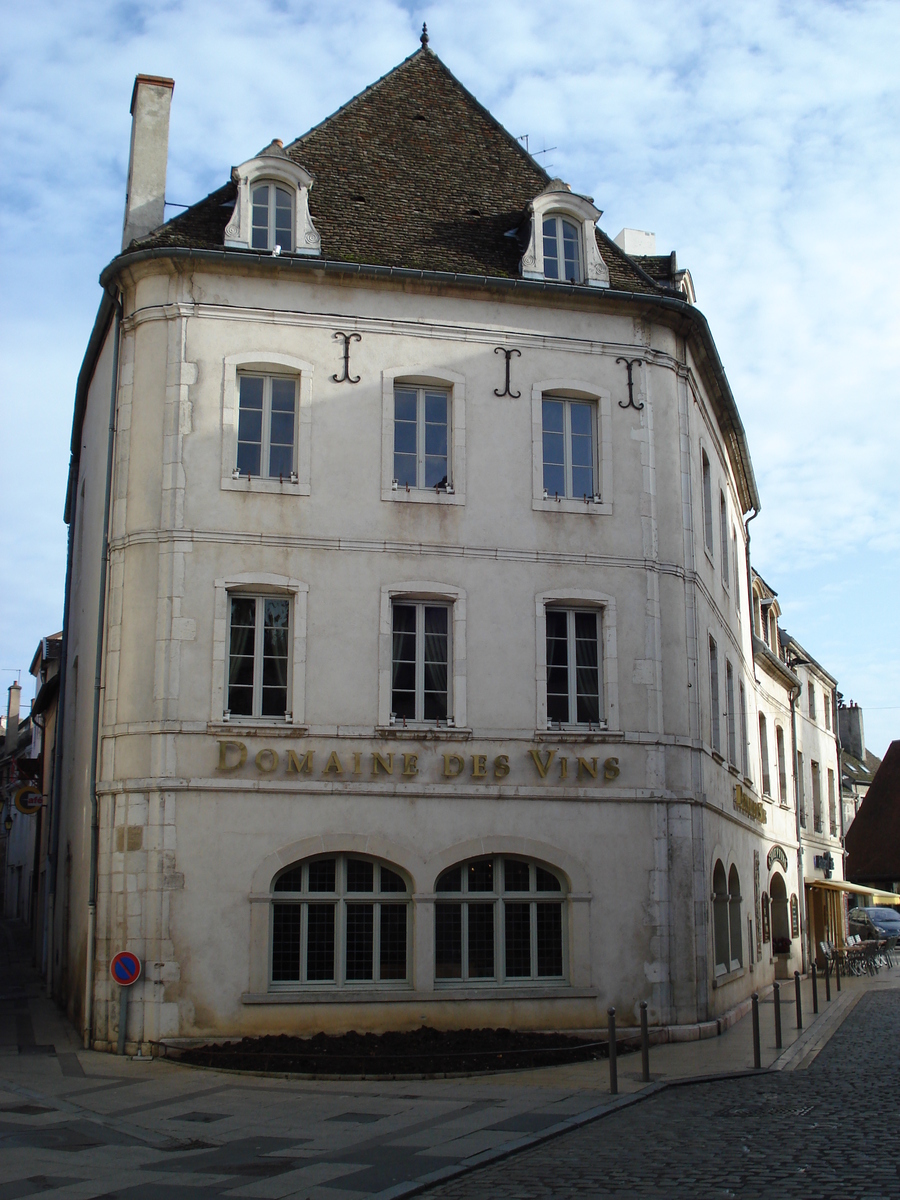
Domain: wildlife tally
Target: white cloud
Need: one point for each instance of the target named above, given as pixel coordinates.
(760, 140)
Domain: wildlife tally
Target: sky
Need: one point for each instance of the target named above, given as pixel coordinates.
(760, 140)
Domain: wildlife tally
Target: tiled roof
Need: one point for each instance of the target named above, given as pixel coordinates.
(413, 172)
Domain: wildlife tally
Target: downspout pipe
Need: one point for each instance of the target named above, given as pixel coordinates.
(56, 784)
(752, 517)
(98, 688)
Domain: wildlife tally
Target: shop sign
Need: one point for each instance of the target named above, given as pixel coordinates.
(744, 803)
(28, 799)
(795, 917)
(776, 854)
(550, 766)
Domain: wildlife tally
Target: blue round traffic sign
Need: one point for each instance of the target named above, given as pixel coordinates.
(125, 968)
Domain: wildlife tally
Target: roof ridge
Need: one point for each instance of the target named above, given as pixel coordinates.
(422, 52)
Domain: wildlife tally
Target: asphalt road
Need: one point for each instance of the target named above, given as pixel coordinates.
(830, 1130)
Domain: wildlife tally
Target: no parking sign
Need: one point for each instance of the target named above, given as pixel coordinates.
(125, 968)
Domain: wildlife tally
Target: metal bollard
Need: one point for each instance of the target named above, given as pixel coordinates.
(613, 1073)
(827, 981)
(813, 973)
(837, 973)
(757, 1061)
(799, 1001)
(776, 1000)
(645, 1044)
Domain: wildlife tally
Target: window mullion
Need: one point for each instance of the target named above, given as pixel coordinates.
(420, 437)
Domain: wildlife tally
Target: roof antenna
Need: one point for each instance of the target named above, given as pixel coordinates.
(424, 38)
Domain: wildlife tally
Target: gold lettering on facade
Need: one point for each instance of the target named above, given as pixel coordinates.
(479, 765)
(410, 764)
(266, 756)
(300, 764)
(588, 766)
(543, 767)
(563, 767)
(333, 764)
(227, 749)
(501, 766)
(456, 759)
(611, 768)
(357, 762)
(382, 762)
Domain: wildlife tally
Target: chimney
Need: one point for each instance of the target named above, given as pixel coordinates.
(636, 241)
(146, 197)
(850, 727)
(12, 719)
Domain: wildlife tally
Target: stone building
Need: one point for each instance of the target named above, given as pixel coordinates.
(427, 657)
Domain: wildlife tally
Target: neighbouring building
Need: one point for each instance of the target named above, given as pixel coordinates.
(873, 840)
(428, 652)
(18, 771)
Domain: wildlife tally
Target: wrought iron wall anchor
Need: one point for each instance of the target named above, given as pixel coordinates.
(629, 365)
(347, 377)
(509, 354)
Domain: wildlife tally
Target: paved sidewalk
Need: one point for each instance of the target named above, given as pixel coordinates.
(78, 1124)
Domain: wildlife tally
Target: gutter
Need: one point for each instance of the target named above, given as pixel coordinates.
(761, 650)
(533, 287)
(98, 681)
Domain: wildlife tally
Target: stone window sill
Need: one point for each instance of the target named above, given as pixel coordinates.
(370, 995)
(729, 977)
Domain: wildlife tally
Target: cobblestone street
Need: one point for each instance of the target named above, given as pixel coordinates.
(830, 1130)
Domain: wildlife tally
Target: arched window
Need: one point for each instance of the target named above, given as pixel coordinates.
(340, 920)
(499, 920)
(562, 249)
(781, 929)
(720, 920)
(734, 918)
(272, 219)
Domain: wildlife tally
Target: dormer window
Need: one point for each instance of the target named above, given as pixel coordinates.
(271, 209)
(273, 218)
(562, 242)
(562, 250)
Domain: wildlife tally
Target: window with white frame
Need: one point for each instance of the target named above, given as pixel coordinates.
(832, 805)
(574, 676)
(801, 791)
(723, 536)
(562, 249)
(826, 707)
(272, 217)
(422, 438)
(811, 699)
(258, 670)
(420, 662)
(707, 501)
(764, 755)
(340, 920)
(744, 762)
(714, 720)
(730, 713)
(816, 796)
(499, 920)
(737, 574)
(267, 427)
(782, 765)
(569, 448)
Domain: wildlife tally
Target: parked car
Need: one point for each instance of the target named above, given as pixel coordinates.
(878, 922)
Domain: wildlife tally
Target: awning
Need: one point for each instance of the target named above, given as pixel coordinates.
(841, 885)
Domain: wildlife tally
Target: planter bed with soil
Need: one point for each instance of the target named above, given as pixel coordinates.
(419, 1052)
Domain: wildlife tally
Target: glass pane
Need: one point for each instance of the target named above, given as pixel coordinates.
(581, 419)
(319, 942)
(434, 706)
(436, 408)
(554, 478)
(588, 701)
(322, 875)
(587, 672)
(290, 881)
(436, 663)
(516, 876)
(570, 249)
(553, 418)
(557, 666)
(392, 956)
(250, 425)
(286, 924)
(450, 881)
(546, 882)
(435, 471)
(281, 429)
(241, 655)
(481, 941)
(405, 406)
(403, 681)
(360, 940)
(481, 875)
(275, 657)
(447, 940)
(405, 470)
(556, 623)
(436, 439)
(549, 941)
(582, 482)
(391, 881)
(518, 940)
(436, 618)
(360, 875)
(404, 437)
(283, 221)
(551, 252)
(260, 208)
(558, 707)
